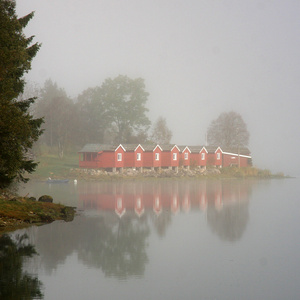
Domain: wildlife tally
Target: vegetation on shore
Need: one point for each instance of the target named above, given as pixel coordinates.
(17, 212)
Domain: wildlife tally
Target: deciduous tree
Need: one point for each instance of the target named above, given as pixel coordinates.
(125, 102)
(228, 130)
(59, 112)
(161, 134)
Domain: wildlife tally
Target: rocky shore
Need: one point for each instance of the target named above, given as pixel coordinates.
(90, 174)
(18, 212)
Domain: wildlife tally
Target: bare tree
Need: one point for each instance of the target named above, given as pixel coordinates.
(228, 130)
(161, 134)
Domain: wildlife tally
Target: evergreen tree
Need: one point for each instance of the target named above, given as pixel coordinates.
(18, 129)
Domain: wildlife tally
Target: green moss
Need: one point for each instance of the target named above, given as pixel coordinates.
(19, 211)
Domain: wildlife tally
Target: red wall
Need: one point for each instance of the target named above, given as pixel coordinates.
(185, 162)
(229, 160)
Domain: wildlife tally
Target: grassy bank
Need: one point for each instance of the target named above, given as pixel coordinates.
(51, 165)
(17, 212)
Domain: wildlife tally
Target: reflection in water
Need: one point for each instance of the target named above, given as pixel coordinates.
(116, 246)
(225, 202)
(112, 232)
(14, 282)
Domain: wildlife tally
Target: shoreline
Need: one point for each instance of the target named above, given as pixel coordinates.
(18, 212)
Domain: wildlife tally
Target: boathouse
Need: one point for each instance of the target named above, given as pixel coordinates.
(152, 156)
(117, 157)
(170, 156)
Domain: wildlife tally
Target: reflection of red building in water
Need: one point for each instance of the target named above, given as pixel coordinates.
(171, 196)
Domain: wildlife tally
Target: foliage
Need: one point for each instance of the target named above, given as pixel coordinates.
(122, 102)
(60, 116)
(19, 130)
(14, 282)
(161, 134)
(228, 130)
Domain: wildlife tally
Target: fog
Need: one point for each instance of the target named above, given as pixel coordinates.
(198, 59)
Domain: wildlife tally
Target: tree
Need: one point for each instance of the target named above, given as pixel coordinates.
(94, 120)
(124, 100)
(228, 130)
(161, 134)
(59, 113)
(19, 130)
(15, 283)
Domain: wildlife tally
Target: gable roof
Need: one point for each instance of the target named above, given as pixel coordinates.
(132, 147)
(95, 148)
(169, 147)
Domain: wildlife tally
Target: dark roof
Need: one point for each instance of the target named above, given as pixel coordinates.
(98, 148)
(237, 150)
(195, 149)
(149, 147)
(167, 147)
(132, 147)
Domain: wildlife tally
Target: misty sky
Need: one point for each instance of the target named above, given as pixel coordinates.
(198, 58)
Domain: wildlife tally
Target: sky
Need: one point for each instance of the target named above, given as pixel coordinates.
(198, 58)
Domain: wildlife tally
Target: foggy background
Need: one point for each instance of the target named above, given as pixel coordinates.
(198, 59)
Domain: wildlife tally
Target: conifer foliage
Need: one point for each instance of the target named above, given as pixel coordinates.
(18, 129)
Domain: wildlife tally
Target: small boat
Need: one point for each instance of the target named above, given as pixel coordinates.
(57, 180)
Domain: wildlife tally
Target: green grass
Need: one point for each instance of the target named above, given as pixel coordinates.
(52, 166)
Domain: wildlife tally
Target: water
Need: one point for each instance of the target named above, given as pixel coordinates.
(166, 240)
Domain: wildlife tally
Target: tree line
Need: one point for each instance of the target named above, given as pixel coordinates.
(113, 112)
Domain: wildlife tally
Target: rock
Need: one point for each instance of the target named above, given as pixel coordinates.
(46, 198)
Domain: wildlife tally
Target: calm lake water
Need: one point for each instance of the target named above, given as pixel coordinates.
(166, 239)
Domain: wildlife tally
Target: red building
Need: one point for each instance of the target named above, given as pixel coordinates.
(199, 156)
(97, 156)
(170, 156)
(134, 156)
(152, 156)
(239, 157)
(185, 156)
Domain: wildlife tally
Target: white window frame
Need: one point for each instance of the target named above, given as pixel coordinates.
(174, 156)
(138, 156)
(156, 156)
(186, 156)
(218, 155)
(202, 156)
(119, 157)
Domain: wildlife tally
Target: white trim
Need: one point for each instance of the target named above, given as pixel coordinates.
(139, 156)
(158, 147)
(121, 147)
(186, 155)
(119, 156)
(174, 156)
(174, 147)
(139, 145)
(186, 148)
(236, 154)
(204, 149)
(156, 154)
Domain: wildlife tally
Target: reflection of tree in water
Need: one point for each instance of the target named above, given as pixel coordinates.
(162, 222)
(230, 222)
(118, 246)
(14, 283)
